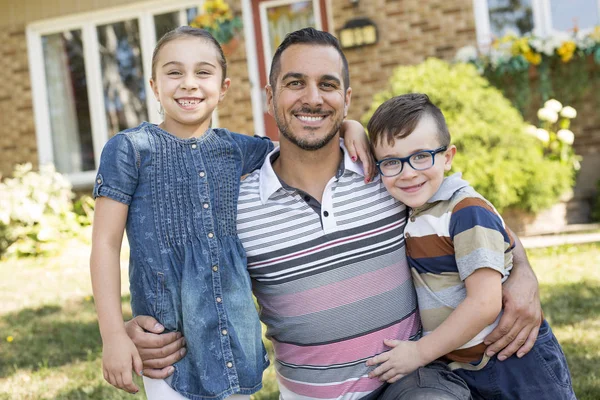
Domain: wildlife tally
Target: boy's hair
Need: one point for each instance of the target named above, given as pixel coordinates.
(398, 117)
(308, 36)
(187, 32)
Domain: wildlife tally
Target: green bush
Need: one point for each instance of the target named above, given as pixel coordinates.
(495, 154)
(36, 212)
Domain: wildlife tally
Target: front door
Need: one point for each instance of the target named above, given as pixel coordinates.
(273, 19)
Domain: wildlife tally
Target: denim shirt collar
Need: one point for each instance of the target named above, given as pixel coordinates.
(449, 186)
(270, 183)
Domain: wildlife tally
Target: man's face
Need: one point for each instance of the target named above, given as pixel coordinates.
(309, 101)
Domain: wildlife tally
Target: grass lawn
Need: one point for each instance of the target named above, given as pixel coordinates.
(50, 345)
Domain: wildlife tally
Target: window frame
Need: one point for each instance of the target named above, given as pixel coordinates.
(542, 21)
(87, 23)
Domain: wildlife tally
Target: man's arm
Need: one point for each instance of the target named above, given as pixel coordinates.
(158, 351)
(518, 328)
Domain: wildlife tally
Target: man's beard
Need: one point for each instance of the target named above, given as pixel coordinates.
(306, 144)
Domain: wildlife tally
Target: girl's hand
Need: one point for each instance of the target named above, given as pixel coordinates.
(357, 144)
(403, 359)
(119, 357)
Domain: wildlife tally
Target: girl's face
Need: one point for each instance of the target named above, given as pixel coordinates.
(188, 84)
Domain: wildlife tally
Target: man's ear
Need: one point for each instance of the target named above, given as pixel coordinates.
(448, 157)
(270, 105)
(347, 101)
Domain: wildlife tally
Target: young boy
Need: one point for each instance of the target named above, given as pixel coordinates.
(459, 253)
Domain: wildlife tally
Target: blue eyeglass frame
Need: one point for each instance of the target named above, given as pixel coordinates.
(407, 160)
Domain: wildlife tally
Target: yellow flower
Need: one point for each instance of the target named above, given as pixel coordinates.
(9, 339)
(533, 58)
(596, 34)
(203, 20)
(566, 51)
(88, 298)
(520, 46)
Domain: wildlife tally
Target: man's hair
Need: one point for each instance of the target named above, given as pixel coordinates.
(398, 117)
(308, 36)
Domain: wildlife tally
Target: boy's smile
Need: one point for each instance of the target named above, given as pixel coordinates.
(410, 186)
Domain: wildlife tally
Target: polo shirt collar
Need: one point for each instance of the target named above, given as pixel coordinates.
(270, 183)
(449, 186)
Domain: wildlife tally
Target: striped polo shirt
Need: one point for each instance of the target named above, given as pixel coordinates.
(330, 286)
(455, 233)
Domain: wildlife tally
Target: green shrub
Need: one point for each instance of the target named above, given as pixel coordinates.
(495, 154)
(36, 212)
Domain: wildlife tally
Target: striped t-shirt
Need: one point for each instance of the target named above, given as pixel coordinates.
(330, 287)
(455, 233)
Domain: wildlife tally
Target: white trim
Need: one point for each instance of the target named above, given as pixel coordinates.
(265, 29)
(482, 24)
(542, 21)
(110, 15)
(147, 41)
(37, 74)
(87, 23)
(256, 91)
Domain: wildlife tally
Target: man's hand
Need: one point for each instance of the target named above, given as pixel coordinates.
(518, 328)
(158, 351)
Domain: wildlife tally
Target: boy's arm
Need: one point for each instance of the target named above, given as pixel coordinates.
(479, 309)
(357, 144)
(520, 322)
(119, 353)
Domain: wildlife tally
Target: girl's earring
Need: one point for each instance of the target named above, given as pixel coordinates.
(161, 111)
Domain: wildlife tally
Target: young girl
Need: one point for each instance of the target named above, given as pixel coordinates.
(174, 187)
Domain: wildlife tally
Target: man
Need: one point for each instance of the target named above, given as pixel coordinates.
(326, 251)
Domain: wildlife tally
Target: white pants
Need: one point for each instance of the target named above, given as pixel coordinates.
(159, 389)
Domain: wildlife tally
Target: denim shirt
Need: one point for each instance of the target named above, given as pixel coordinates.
(187, 265)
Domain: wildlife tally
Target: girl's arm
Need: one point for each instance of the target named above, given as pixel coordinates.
(357, 144)
(480, 308)
(119, 353)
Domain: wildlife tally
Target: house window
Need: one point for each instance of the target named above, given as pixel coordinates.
(91, 74)
(495, 18)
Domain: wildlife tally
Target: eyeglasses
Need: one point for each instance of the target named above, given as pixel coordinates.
(419, 161)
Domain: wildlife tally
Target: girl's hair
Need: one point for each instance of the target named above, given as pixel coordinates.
(185, 32)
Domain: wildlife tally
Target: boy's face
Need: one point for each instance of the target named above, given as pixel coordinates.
(412, 187)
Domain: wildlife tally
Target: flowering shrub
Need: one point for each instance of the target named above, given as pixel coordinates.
(36, 212)
(495, 154)
(218, 19)
(554, 133)
(560, 58)
(514, 52)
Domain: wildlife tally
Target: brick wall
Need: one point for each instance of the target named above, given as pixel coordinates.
(17, 130)
(235, 112)
(409, 32)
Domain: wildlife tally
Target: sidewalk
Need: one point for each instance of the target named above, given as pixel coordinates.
(559, 239)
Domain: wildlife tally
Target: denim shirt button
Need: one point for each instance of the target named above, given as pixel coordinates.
(224, 332)
(229, 364)
(205, 205)
(194, 146)
(202, 174)
(219, 300)
(215, 268)
(211, 235)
